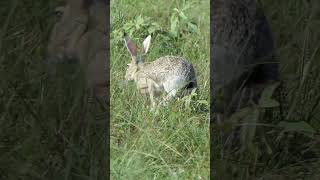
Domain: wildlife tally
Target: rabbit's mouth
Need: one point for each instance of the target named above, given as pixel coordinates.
(128, 78)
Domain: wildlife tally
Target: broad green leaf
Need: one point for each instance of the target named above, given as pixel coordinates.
(268, 103)
(186, 7)
(139, 20)
(177, 10)
(203, 102)
(301, 127)
(151, 29)
(193, 27)
(182, 15)
(193, 92)
(266, 100)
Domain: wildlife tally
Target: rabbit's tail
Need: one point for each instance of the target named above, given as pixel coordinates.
(188, 88)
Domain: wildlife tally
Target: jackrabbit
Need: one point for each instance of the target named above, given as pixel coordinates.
(169, 74)
(78, 37)
(243, 60)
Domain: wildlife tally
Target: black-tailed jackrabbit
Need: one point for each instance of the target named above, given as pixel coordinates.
(79, 36)
(169, 74)
(243, 60)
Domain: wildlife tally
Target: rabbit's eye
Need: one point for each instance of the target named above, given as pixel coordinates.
(58, 12)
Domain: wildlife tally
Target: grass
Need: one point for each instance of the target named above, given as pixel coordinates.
(285, 143)
(173, 144)
(44, 136)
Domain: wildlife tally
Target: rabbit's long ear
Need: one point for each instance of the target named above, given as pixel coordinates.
(146, 44)
(131, 47)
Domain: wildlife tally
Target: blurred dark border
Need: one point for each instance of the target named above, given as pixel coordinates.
(23, 127)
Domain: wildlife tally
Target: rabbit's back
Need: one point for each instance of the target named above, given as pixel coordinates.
(233, 36)
(241, 40)
(168, 68)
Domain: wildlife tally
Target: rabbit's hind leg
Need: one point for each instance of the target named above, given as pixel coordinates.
(169, 97)
(172, 87)
(152, 94)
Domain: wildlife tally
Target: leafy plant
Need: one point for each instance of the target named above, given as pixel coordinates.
(266, 100)
(180, 23)
(139, 25)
